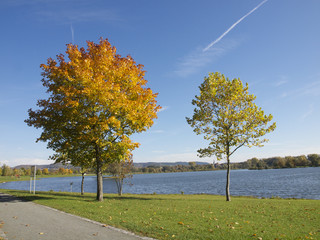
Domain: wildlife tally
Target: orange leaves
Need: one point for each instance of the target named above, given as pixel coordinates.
(97, 99)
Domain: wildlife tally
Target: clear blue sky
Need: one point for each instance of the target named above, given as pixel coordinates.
(275, 48)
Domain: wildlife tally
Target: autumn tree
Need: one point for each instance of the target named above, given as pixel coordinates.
(62, 171)
(97, 99)
(229, 119)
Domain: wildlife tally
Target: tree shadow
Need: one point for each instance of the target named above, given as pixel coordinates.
(5, 198)
(132, 197)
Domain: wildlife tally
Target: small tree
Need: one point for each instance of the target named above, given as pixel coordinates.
(228, 117)
(120, 170)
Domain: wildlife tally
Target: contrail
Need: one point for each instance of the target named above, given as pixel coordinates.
(235, 24)
(72, 33)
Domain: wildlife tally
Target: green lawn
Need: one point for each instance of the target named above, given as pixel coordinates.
(192, 216)
(13, 178)
(27, 178)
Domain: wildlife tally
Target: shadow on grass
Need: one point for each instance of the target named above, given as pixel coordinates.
(130, 198)
(5, 198)
(87, 197)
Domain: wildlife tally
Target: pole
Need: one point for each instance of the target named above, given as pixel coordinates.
(30, 182)
(34, 183)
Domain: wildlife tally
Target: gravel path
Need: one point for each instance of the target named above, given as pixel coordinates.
(24, 220)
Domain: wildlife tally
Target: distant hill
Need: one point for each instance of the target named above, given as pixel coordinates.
(146, 164)
(54, 166)
(161, 164)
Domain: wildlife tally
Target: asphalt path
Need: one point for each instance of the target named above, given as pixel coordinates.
(24, 220)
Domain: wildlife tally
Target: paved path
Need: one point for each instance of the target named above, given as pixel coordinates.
(24, 220)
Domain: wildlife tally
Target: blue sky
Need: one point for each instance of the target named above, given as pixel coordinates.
(275, 48)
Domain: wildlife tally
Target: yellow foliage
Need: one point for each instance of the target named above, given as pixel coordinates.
(228, 117)
(97, 100)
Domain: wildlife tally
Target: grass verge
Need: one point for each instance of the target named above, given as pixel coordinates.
(27, 178)
(192, 216)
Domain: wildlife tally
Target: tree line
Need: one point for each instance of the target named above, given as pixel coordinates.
(310, 160)
(5, 171)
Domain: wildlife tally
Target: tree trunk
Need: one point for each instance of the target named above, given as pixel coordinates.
(82, 183)
(99, 176)
(121, 184)
(228, 180)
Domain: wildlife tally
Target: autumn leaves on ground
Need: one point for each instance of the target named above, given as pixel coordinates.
(192, 216)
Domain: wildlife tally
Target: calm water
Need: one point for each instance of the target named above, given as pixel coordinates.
(285, 183)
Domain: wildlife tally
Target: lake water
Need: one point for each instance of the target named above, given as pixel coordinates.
(285, 183)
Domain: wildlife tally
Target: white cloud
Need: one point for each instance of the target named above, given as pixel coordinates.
(281, 82)
(308, 113)
(156, 131)
(26, 161)
(312, 89)
(197, 58)
(178, 157)
(164, 108)
(233, 26)
(158, 151)
(78, 15)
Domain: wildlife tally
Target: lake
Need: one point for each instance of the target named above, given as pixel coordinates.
(284, 183)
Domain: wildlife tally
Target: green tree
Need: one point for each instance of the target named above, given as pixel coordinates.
(314, 159)
(97, 99)
(290, 162)
(27, 172)
(39, 172)
(6, 170)
(229, 119)
(192, 165)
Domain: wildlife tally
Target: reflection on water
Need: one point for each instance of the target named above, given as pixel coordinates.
(285, 183)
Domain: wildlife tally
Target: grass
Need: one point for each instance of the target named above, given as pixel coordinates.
(27, 178)
(13, 178)
(192, 216)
